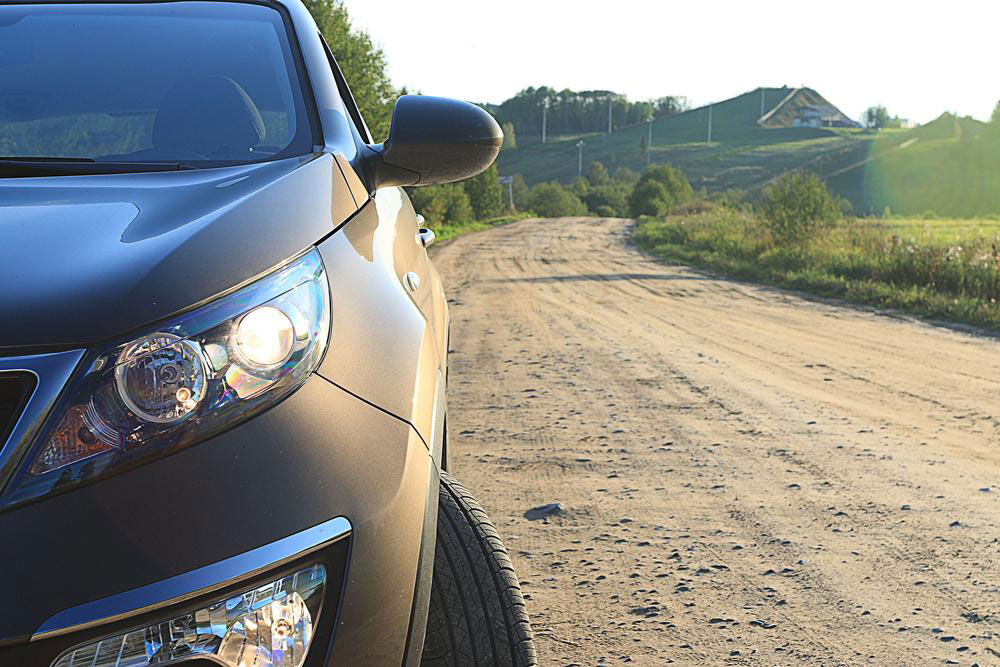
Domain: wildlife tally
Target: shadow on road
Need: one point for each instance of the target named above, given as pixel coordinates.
(602, 276)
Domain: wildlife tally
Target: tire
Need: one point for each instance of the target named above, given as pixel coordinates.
(477, 616)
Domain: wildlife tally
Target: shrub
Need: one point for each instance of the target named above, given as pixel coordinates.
(650, 198)
(613, 196)
(797, 206)
(551, 200)
(442, 204)
(660, 188)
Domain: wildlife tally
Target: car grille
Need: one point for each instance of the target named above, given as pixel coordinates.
(15, 388)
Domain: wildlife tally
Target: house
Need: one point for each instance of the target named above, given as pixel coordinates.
(809, 116)
(816, 116)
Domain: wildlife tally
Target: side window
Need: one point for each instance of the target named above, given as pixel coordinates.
(347, 96)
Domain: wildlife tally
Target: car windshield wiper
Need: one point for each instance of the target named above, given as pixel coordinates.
(14, 167)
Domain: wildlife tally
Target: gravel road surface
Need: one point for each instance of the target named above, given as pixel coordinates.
(746, 476)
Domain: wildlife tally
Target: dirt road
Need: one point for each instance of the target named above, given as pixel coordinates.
(747, 476)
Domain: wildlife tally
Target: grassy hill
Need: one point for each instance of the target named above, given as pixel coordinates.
(742, 154)
(950, 166)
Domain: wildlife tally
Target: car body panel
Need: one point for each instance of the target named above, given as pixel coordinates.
(384, 346)
(86, 258)
(319, 454)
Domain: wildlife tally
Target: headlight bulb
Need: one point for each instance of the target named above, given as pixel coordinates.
(161, 378)
(264, 337)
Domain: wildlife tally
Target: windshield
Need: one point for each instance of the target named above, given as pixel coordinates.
(189, 82)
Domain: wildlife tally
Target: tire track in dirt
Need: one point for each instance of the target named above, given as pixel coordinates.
(748, 476)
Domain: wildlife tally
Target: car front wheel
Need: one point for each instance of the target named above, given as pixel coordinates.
(477, 615)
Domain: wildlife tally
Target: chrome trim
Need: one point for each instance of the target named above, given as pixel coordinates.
(194, 583)
(52, 372)
(426, 236)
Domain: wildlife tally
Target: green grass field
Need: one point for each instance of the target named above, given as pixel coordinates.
(938, 232)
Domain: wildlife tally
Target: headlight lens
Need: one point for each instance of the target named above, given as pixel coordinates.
(268, 626)
(185, 380)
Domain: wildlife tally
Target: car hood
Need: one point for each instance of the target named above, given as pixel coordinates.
(88, 258)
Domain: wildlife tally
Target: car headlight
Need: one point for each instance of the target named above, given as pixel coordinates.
(184, 380)
(268, 626)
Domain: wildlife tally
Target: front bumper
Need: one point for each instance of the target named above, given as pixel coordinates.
(320, 455)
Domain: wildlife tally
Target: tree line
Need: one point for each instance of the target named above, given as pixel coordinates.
(576, 112)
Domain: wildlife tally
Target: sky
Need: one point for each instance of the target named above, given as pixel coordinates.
(918, 58)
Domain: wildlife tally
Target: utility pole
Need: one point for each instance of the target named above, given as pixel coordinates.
(545, 114)
(509, 182)
(649, 140)
(579, 164)
(709, 123)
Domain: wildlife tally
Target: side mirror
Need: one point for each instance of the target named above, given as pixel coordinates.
(434, 140)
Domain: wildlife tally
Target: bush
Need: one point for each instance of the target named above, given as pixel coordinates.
(660, 188)
(650, 198)
(486, 195)
(442, 204)
(613, 197)
(551, 200)
(798, 206)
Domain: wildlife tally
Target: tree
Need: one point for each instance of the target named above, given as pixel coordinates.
(363, 64)
(597, 174)
(509, 136)
(485, 193)
(626, 176)
(551, 200)
(670, 105)
(521, 192)
(876, 117)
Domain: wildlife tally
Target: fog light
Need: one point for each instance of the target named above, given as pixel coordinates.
(268, 626)
(264, 337)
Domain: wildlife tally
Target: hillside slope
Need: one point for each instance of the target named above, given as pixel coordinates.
(950, 166)
(742, 154)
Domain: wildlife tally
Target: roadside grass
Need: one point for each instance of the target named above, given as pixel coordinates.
(449, 231)
(904, 264)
